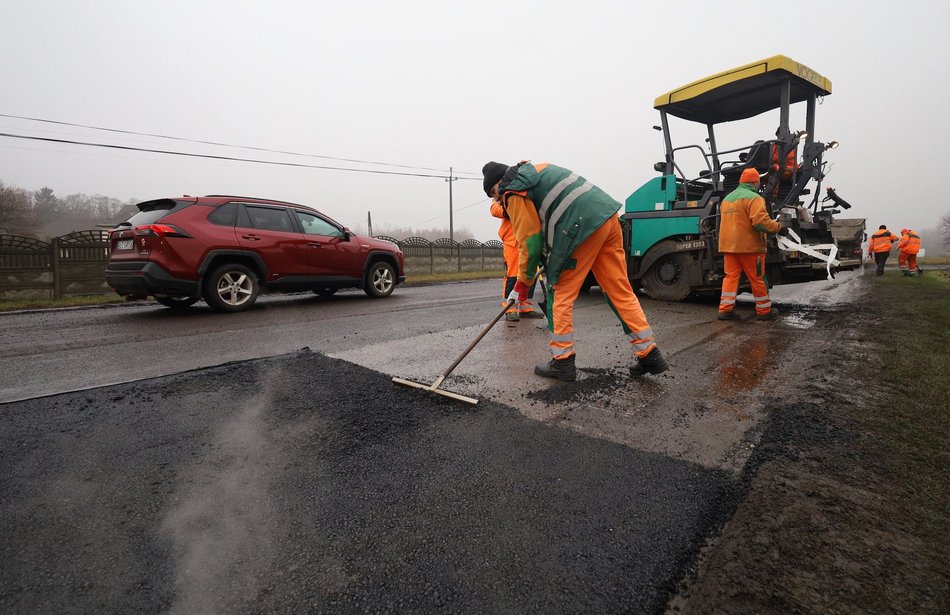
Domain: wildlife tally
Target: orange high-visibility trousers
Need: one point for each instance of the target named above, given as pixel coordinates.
(603, 254)
(907, 261)
(753, 266)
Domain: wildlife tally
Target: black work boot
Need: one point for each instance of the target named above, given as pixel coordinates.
(730, 315)
(562, 369)
(770, 315)
(653, 363)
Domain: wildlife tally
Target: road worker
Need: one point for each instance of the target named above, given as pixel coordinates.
(879, 246)
(790, 164)
(907, 249)
(518, 310)
(742, 227)
(563, 221)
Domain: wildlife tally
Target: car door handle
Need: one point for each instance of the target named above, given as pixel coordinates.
(314, 244)
(251, 237)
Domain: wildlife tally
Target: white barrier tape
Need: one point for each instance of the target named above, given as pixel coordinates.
(786, 244)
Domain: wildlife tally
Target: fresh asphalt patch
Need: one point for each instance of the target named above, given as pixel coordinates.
(304, 483)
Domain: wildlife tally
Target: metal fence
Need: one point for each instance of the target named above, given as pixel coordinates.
(75, 264)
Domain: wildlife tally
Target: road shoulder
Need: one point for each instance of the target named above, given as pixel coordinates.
(832, 522)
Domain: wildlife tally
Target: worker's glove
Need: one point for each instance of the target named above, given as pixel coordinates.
(520, 292)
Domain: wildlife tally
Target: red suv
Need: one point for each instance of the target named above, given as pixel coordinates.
(227, 249)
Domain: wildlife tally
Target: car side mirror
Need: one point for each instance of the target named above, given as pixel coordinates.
(347, 234)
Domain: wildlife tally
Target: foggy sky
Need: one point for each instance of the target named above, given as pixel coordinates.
(440, 84)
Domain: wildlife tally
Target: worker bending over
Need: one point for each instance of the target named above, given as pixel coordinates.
(742, 228)
(907, 249)
(518, 310)
(571, 224)
(879, 246)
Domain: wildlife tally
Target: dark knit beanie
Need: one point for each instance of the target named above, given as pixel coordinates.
(493, 172)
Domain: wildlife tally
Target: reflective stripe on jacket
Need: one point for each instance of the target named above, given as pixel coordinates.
(881, 241)
(909, 243)
(553, 210)
(744, 222)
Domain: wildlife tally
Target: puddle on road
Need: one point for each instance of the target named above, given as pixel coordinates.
(797, 321)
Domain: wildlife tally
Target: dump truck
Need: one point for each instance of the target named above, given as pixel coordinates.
(671, 223)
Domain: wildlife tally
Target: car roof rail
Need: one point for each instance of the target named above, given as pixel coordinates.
(252, 198)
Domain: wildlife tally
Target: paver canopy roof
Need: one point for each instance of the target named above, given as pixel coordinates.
(743, 92)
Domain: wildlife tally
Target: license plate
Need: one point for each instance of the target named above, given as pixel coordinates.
(123, 244)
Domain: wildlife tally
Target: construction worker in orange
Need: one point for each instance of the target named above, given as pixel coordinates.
(907, 249)
(742, 228)
(506, 233)
(565, 222)
(879, 247)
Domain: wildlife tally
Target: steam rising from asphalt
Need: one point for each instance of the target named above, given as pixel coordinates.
(219, 525)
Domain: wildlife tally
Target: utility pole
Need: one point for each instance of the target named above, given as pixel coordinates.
(369, 222)
(451, 227)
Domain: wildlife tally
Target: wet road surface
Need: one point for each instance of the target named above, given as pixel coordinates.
(308, 482)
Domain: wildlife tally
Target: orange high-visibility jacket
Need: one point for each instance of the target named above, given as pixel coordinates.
(744, 222)
(881, 242)
(790, 164)
(506, 232)
(909, 243)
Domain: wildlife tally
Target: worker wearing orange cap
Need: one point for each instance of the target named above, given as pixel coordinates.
(743, 223)
(907, 249)
(510, 250)
(879, 246)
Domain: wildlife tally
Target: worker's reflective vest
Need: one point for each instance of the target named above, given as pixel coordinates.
(743, 220)
(909, 243)
(881, 241)
(569, 207)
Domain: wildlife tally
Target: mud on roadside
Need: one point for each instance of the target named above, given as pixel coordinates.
(822, 527)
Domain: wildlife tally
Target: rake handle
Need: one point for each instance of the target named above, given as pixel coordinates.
(484, 332)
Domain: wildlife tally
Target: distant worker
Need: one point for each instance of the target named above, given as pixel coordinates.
(907, 249)
(879, 246)
(518, 310)
(742, 227)
(571, 225)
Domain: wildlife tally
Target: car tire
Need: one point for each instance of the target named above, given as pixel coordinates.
(380, 280)
(588, 283)
(231, 288)
(325, 292)
(667, 278)
(176, 303)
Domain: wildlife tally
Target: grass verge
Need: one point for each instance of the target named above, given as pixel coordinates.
(10, 305)
(912, 424)
(433, 278)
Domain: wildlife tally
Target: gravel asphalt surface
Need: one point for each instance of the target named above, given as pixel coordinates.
(304, 483)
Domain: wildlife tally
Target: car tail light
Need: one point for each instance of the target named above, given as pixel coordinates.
(160, 230)
(146, 234)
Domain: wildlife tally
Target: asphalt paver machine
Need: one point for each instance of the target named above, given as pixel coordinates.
(671, 223)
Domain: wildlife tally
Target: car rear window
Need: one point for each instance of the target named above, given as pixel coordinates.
(225, 215)
(151, 212)
(269, 218)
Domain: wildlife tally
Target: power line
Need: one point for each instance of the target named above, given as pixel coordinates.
(250, 147)
(479, 202)
(229, 158)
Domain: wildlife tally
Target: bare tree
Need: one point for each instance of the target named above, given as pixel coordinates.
(16, 215)
(945, 229)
